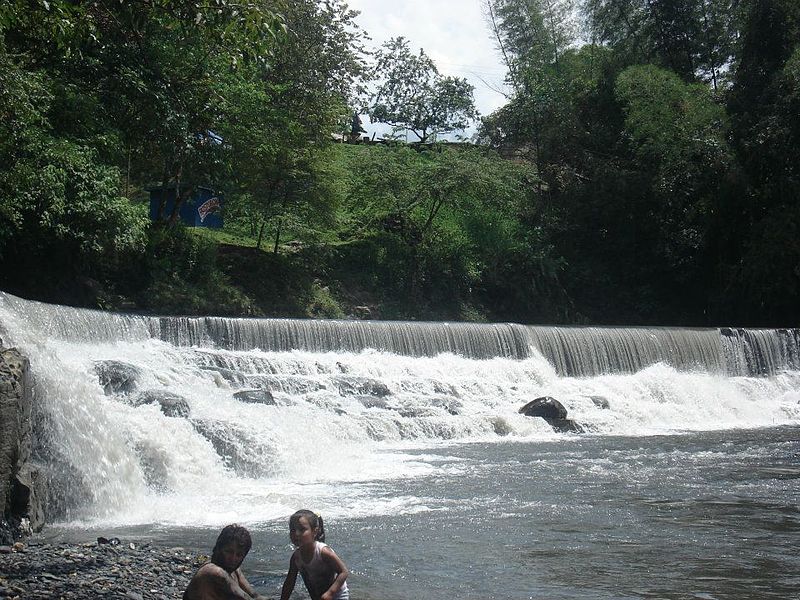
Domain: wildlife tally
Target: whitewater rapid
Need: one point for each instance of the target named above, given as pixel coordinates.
(334, 424)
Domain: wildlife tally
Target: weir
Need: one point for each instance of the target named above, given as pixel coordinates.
(572, 350)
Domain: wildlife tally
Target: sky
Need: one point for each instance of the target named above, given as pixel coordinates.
(453, 33)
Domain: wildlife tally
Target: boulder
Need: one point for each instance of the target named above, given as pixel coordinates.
(255, 397)
(600, 402)
(545, 407)
(552, 411)
(171, 404)
(117, 377)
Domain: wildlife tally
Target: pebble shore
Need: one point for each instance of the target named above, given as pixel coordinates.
(108, 569)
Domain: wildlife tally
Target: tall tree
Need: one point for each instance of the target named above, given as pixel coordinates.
(413, 96)
(694, 38)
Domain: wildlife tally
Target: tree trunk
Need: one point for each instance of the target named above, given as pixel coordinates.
(277, 237)
(261, 233)
(162, 198)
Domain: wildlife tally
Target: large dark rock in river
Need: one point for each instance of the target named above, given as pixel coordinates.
(21, 490)
(545, 407)
(117, 377)
(552, 411)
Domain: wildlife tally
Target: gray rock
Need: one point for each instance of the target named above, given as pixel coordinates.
(117, 377)
(21, 491)
(171, 404)
(600, 402)
(360, 386)
(255, 397)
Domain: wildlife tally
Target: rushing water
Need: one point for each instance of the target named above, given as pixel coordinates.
(407, 438)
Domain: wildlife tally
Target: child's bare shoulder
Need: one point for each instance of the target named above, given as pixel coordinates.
(211, 570)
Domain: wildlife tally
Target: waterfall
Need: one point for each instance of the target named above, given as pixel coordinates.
(573, 351)
(146, 419)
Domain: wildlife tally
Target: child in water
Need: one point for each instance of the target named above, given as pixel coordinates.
(323, 572)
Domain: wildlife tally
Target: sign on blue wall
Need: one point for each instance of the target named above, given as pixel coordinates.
(204, 209)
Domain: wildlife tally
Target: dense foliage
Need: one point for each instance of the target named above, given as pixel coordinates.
(667, 149)
(645, 169)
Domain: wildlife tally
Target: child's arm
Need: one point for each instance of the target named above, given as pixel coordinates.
(291, 578)
(211, 581)
(339, 567)
(245, 585)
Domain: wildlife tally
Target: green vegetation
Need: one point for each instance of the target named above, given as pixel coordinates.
(650, 176)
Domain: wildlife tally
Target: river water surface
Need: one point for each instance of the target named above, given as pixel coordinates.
(702, 515)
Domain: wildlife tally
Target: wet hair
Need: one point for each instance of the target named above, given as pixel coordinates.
(314, 521)
(231, 533)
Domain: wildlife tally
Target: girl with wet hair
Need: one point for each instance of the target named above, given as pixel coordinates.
(322, 570)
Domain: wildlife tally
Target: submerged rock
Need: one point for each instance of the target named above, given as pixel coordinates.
(255, 397)
(360, 386)
(239, 449)
(600, 402)
(372, 402)
(565, 425)
(452, 406)
(228, 375)
(117, 377)
(171, 404)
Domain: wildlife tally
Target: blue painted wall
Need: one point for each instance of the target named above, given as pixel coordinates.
(204, 209)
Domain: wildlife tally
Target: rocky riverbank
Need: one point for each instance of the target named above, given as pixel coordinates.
(103, 569)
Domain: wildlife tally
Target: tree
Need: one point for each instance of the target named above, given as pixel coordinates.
(413, 96)
(278, 118)
(530, 33)
(61, 215)
(764, 104)
(694, 38)
(679, 138)
(146, 69)
(453, 212)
